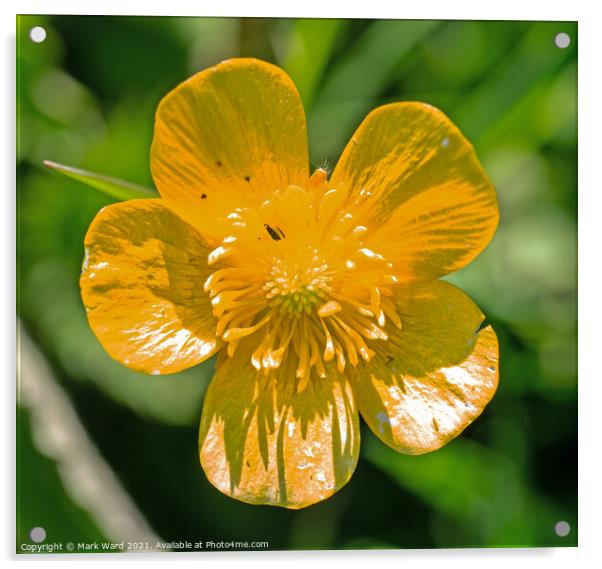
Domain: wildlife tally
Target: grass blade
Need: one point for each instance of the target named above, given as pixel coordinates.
(114, 187)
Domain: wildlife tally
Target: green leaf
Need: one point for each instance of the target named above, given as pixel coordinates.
(533, 60)
(114, 187)
(310, 46)
(358, 80)
(476, 486)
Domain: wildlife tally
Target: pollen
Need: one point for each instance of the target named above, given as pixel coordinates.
(298, 277)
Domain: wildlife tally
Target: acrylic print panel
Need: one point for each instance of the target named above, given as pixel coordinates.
(296, 284)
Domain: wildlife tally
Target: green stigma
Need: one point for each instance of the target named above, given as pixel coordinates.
(298, 302)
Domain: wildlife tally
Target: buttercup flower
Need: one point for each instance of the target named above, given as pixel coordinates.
(320, 295)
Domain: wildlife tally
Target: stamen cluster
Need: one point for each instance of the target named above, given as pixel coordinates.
(297, 277)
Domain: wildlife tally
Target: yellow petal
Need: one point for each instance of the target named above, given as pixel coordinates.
(142, 286)
(264, 442)
(438, 373)
(226, 138)
(419, 181)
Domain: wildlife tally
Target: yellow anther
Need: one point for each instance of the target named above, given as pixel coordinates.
(329, 308)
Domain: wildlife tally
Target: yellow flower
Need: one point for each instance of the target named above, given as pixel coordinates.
(321, 295)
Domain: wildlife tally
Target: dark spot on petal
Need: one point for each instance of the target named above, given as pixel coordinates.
(218, 164)
(435, 425)
(203, 196)
(247, 178)
(491, 368)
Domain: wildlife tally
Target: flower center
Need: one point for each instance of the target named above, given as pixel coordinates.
(296, 277)
(296, 288)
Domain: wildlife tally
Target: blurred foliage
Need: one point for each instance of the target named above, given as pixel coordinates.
(40, 484)
(86, 97)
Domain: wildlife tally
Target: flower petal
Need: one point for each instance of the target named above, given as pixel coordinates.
(437, 374)
(226, 138)
(263, 442)
(418, 180)
(142, 286)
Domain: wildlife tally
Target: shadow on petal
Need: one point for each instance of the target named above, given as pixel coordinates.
(263, 442)
(436, 374)
(142, 286)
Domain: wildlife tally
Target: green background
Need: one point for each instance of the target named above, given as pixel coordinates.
(86, 97)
